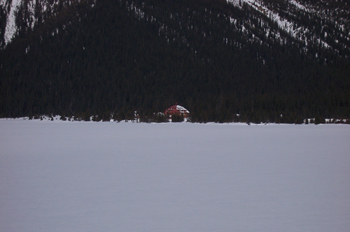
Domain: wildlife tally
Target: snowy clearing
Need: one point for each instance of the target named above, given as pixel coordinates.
(85, 176)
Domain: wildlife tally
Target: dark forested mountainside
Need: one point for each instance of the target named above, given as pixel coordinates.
(222, 62)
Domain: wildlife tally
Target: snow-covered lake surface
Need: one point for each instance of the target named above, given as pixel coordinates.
(84, 176)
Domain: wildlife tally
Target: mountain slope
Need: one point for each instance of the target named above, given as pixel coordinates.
(21, 16)
(312, 22)
(219, 60)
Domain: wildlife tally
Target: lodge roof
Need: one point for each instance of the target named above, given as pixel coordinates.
(176, 109)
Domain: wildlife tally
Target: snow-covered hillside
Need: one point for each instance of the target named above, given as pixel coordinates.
(28, 14)
(10, 28)
(84, 176)
(294, 27)
(11, 13)
(304, 21)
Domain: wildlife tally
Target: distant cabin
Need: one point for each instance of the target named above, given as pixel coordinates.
(177, 110)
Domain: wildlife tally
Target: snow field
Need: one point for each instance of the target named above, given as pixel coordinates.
(85, 176)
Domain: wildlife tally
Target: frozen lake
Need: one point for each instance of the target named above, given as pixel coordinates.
(85, 176)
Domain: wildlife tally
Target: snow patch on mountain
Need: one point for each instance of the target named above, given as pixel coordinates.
(11, 29)
(297, 32)
(299, 6)
(282, 23)
(30, 13)
(31, 7)
(234, 2)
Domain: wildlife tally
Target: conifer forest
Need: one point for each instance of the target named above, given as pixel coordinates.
(223, 62)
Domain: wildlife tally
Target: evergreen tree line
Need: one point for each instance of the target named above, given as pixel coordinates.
(125, 56)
